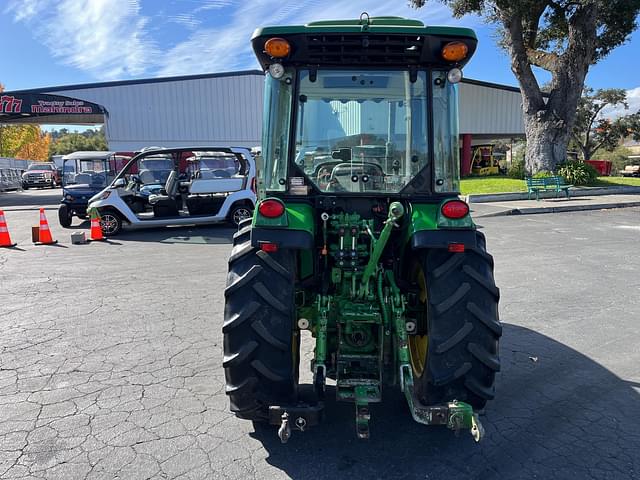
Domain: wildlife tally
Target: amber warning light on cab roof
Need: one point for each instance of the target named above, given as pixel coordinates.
(277, 47)
(455, 51)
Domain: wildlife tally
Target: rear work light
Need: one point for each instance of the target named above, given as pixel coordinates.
(455, 209)
(271, 208)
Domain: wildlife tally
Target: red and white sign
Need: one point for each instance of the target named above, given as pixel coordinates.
(10, 104)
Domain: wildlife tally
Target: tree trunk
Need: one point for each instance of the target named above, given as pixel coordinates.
(546, 143)
(549, 119)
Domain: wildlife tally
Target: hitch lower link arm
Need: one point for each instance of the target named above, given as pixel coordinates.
(320, 368)
(455, 415)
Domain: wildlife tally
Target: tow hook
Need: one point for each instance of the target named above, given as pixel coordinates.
(284, 432)
(477, 430)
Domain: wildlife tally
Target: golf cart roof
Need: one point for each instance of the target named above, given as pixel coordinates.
(88, 155)
(209, 154)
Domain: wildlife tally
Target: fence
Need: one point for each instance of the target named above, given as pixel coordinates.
(11, 173)
(6, 162)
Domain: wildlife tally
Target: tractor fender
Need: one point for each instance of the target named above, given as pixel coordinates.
(295, 229)
(441, 238)
(283, 237)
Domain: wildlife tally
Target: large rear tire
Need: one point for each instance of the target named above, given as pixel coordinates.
(456, 357)
(260, 342)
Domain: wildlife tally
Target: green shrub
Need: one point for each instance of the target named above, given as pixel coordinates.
(543, 174)
(577, 172)
(517, 170)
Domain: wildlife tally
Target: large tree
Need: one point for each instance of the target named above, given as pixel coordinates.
(564, 37)
(593, 131)
(66, 142)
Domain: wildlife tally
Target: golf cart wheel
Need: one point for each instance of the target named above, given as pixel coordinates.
(454, 355)
(110, 222)
(260, 342)
(64, 216)
(239, 213)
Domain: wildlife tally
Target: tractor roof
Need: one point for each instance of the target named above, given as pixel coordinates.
(384, 41)
(397, 25)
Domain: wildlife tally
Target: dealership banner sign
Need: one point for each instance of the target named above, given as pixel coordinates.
(17, 106)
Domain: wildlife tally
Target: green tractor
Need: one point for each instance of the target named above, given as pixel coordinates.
(359, 236)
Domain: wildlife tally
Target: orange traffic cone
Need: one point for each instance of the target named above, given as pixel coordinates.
(5, 239)
(96, 229)
(44, 234)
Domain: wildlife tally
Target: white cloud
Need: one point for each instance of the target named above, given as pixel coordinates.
(187, 20)
(26, 9)
(213, 4)
(104, 37)
(112, 39)
(633, 100)
(228, 48)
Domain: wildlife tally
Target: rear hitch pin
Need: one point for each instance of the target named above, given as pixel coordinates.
(284, 432)
(301, 423)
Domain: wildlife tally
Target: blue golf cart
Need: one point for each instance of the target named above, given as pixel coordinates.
(83, 175)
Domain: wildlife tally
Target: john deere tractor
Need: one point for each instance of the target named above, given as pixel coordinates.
(359, 236)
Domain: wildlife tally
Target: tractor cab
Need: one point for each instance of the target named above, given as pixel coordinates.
(366, 108)
(359, 236)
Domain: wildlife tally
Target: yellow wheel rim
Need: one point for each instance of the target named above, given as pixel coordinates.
(419, 344)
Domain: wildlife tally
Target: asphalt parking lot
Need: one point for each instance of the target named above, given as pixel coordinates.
(110, 363)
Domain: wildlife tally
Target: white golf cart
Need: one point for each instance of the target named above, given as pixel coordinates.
(179, 186)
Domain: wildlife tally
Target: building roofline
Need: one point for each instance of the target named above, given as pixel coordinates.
(239, 73)
(118, 83)
(497, 86)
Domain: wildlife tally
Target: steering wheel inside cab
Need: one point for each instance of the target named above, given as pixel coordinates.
(133, 182)
(354, 176)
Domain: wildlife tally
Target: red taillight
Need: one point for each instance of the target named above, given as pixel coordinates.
(456, 247)
(269, 247)
(271, 208)
(253, 185)
(455, 209)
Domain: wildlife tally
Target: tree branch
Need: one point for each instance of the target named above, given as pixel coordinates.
(581, 40)
(579, 140)
(596, 147)
(530, 33)
(542, 59)
(532, 96)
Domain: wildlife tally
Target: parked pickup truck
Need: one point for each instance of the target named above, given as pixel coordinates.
(43, 174)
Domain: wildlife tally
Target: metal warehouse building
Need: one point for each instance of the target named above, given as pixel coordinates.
(226, 109)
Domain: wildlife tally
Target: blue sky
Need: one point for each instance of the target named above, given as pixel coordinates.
(58, 42)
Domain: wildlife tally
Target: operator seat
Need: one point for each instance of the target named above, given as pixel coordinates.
(82, 178)
(164, 204)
